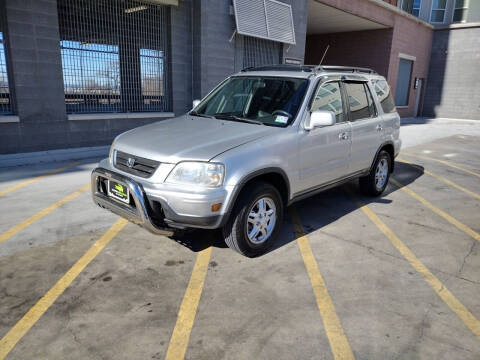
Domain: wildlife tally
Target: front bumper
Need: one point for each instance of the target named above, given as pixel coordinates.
(147, 209)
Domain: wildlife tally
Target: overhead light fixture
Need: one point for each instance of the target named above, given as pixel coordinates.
(136, 8)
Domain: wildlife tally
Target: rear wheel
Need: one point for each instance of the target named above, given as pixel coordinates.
(377, 180)
(255, 221)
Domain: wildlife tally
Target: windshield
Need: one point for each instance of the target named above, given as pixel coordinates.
(265, 100)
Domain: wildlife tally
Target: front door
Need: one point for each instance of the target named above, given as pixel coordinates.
(367, 125)
(324, 152)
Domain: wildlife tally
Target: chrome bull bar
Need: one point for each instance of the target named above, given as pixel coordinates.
(138, 214)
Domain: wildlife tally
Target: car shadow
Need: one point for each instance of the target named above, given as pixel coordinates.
(315, 212)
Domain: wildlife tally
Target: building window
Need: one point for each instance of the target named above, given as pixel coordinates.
(438, 11)
(460, 11)
(257, 52)
(6, 98)
(403, 82)
(114, 56)
(411, 6)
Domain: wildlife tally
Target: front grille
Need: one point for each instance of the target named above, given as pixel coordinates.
(141, 167)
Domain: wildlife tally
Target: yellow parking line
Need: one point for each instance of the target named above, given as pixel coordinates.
(444, 162)
(441, 178)
(36, 178)
(463, 313)
(188, 308)
(13, 230)
(336, 336)
(467, 230)
(35, 313)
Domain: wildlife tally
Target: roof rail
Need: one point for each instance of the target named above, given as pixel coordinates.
(280, 67)
(310, 68)
(353, 69)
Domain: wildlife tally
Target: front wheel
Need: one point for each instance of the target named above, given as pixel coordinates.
(377, 180)
(255, 221)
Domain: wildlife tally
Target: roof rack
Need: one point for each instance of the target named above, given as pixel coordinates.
(310, 68)
(281, 67)
(352, 69)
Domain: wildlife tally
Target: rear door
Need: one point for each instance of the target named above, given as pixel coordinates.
(324, 153)
(367, 127)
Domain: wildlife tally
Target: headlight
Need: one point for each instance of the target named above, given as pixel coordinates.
(197, 173)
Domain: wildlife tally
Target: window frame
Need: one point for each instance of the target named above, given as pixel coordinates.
(438, 9)
(346, 115)
(402, 2)
(465, 7)
(366, 88)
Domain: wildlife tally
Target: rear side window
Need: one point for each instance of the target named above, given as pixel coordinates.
(384, 96)
(360, 106)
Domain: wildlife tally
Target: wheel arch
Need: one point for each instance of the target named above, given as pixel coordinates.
(273, 175)
(388, 147)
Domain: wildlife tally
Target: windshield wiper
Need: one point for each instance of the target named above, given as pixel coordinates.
(194, 113)
(229, 117)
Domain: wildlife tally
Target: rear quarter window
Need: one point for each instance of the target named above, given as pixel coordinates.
(384, 96)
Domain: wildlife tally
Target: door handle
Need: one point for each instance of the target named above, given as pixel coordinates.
(379, 127)
(343, 136)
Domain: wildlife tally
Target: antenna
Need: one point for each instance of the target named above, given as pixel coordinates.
(325, 53)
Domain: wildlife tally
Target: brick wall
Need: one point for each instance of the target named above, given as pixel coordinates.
(378, 49)
(412, 39)
(454, 78)
(361, 48)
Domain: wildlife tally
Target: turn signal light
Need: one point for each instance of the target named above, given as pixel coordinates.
(216, 207)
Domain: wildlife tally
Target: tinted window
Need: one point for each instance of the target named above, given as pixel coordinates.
(357, 98)
(384, 96)
(329, 98)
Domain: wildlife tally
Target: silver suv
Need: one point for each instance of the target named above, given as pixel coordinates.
(261, 140)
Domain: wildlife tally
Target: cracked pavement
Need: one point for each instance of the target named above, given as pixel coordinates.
(124, 304)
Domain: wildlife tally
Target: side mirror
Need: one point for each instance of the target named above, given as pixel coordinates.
(195, 103)
(320, 118)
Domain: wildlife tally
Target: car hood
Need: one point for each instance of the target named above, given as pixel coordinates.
(188, 138)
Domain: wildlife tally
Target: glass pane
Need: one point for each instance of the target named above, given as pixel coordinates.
(416, 12)
(329, 98)
(437, 16)
(460, 15)
(403, 82)
(460, 4)
(271, 100)
(358, 101)
(384, 96)
(439, 4)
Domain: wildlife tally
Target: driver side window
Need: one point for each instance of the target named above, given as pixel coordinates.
(329, 98)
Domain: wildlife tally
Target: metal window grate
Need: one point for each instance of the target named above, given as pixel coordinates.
(114, 55)
(259, 52)
(6, 97)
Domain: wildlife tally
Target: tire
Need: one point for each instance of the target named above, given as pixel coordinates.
(238, 227)
(376, 181)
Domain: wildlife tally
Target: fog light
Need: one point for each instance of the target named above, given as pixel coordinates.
(216, 207)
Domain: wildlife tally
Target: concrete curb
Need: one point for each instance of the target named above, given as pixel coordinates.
(31, 158)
